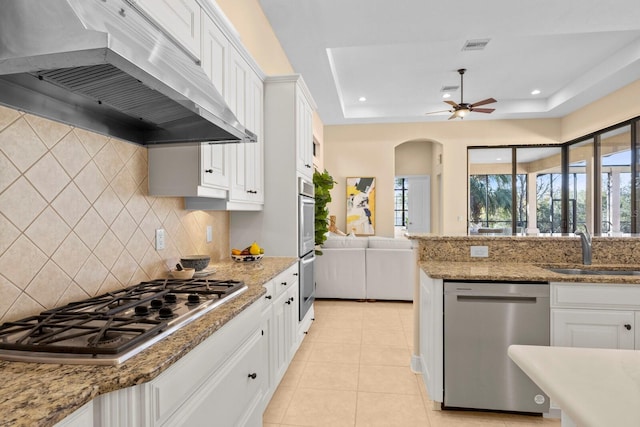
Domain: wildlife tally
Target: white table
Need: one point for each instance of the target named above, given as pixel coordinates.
(594, 387)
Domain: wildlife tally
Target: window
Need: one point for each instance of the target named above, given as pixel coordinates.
(512, 188)
(401, 209)
(593, 181)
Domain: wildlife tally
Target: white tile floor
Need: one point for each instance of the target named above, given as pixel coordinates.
(353, 370)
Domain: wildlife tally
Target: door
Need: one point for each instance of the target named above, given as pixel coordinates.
(593, 328)
(419, 194)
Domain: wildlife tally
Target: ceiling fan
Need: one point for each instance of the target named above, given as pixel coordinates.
(462, 109)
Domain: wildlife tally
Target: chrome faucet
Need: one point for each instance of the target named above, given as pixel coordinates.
(585, 239)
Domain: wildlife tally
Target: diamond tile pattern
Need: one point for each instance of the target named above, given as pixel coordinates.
(76, 218)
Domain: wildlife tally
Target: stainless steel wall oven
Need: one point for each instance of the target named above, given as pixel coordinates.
(306, 245)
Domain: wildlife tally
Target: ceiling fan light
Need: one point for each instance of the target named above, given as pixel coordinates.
(461, 112)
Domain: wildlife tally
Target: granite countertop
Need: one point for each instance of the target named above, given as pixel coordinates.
(460, 270)
(42, 394)
(595, 387)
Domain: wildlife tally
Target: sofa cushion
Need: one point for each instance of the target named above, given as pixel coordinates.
(389, 243)
(345, 242)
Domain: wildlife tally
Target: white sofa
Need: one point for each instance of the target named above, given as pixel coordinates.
(375, 268)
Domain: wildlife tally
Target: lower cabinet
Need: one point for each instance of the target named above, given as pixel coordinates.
(595, 315)
(220, 382)
(227, 380)
(431, 336)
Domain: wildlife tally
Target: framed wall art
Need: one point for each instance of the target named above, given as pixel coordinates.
(361, 198)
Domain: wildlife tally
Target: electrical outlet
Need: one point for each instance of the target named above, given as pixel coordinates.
(479, 251)
(209, 233)
(159, 239)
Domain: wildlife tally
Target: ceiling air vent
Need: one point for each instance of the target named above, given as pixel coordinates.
(449, 88)
(478, 44)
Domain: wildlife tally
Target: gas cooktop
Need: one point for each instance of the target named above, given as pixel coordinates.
(111, 328)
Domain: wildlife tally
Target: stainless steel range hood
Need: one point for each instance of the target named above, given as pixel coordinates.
(103, 66)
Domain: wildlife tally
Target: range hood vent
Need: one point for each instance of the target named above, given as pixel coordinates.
(102, 66)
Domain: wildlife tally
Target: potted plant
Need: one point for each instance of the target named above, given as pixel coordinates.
(323, 183)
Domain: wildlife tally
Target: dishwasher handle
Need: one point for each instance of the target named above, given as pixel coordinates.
(503, 299)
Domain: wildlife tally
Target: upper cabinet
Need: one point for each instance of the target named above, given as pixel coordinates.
(212, 176)
(290, 121)
(304, 133)
(246, 101)
(216, 50)
(180, 19)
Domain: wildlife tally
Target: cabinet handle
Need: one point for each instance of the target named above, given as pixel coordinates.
(307, 166)
(288, 302)
(208, 171)
(268, 296)
(253, 376)
(628, 327)
(283, 283)
(295, 274)
(291, 299)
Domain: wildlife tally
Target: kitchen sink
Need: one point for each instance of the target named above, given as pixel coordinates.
(582, 271)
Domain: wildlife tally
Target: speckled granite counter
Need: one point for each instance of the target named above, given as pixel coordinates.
(524, 257)
(34, 394)
(521, 271)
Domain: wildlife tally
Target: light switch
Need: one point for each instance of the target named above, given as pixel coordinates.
(159, 239)
(209, 233)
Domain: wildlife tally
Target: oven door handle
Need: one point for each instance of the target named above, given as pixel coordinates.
(309, 259)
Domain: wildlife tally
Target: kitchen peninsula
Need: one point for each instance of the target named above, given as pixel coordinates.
(587, 306)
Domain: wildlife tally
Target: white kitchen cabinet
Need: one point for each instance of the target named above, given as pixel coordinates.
(431, 335)
(189, 170)
(216, 54)
(285, 322)
(276, 228)
(180, 19)
(595, 315)
(82, 417)
(593, 328)
(304, 134)
(247, 178)
(214, 381)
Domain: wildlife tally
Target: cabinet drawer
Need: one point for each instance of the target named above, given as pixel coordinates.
(173, 387)
(593, 295)
(284, 280)
(232, 395)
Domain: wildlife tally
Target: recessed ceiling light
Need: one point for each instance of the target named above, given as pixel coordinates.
(498, 158)
(362, 99)
(535, 92)
(446, 95)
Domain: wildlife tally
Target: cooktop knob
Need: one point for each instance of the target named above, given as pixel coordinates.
(165, 313)
(156, 303)
(141, 310)
(193, 298)
(171, 298)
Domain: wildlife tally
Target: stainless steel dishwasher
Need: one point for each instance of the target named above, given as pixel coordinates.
(481, 320)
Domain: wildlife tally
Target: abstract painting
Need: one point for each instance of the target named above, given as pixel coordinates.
(361, 197)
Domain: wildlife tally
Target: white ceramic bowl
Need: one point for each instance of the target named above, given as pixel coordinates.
(185, 273)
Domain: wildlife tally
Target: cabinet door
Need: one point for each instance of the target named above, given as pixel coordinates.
(215, 165)
(431, 335)
(592, 328)
(281, 320)
(181, 19)
(215, 56)
(233, 394)
(304, 136)
(254, 159)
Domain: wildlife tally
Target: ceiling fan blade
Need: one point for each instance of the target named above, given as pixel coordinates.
(436, 112)
(483, 102)
(483, 110)
(453, 116)
(453, 104)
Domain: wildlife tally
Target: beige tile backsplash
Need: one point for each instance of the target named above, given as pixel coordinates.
(76, 219)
